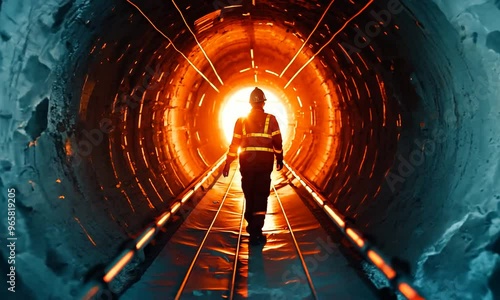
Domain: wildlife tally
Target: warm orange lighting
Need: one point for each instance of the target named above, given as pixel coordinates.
(163, 219)
(355, 237)
(318, 198)
(85, 231)
(68, 148)
(320, 202)
(118, 266)
(175, 207)
(237, 106)
(186, 197)
(335, 217)
(409, 292)
(197, 186)
(144, 239)
(91, 293)
(380, 263)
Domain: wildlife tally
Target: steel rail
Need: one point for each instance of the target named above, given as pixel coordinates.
(399, 281)
(306, 271)
(237, 253)
(195, 258)
(98, 285)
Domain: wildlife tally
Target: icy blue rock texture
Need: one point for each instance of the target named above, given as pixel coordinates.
(53, 251)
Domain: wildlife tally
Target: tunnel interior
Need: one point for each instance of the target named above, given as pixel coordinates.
(110, 109)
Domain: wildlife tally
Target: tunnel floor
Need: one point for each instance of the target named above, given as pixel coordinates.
(274, 270)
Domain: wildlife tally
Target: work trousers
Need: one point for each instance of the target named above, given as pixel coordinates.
(256, 188)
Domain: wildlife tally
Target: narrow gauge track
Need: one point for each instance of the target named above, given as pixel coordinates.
(233, 281)
(202, 244)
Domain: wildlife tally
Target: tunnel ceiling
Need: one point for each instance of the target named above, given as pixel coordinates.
(160, 128)
(385, 112)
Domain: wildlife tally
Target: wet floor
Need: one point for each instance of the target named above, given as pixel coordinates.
(298, 261)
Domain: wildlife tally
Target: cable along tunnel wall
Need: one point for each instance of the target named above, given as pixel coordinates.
(438, 69)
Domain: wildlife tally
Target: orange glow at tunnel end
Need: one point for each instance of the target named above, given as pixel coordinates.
(237, 106)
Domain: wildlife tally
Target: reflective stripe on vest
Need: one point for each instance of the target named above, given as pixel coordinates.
(264, 149)
(266, 135)
(255, 134)
(258, 134)
(267, 123)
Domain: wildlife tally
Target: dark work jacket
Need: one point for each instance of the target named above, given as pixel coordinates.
(258, 146)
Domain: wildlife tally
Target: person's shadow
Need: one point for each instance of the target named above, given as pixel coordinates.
(257, 275)
(251, 276)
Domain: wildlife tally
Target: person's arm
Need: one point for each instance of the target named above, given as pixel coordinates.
(277, 142)
(233, 148)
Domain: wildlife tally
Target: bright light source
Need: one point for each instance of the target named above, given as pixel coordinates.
(237, 106)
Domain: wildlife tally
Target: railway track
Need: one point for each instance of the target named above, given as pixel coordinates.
(209, 256)
(230, 291)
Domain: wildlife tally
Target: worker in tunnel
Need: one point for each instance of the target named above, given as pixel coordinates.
(259, 138)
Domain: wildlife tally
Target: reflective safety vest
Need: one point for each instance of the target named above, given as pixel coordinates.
(267, 140)
(264, 134)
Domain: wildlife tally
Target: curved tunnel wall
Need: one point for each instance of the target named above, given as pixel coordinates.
(403, 125)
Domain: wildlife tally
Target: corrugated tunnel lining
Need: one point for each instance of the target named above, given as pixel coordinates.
(105, 195)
